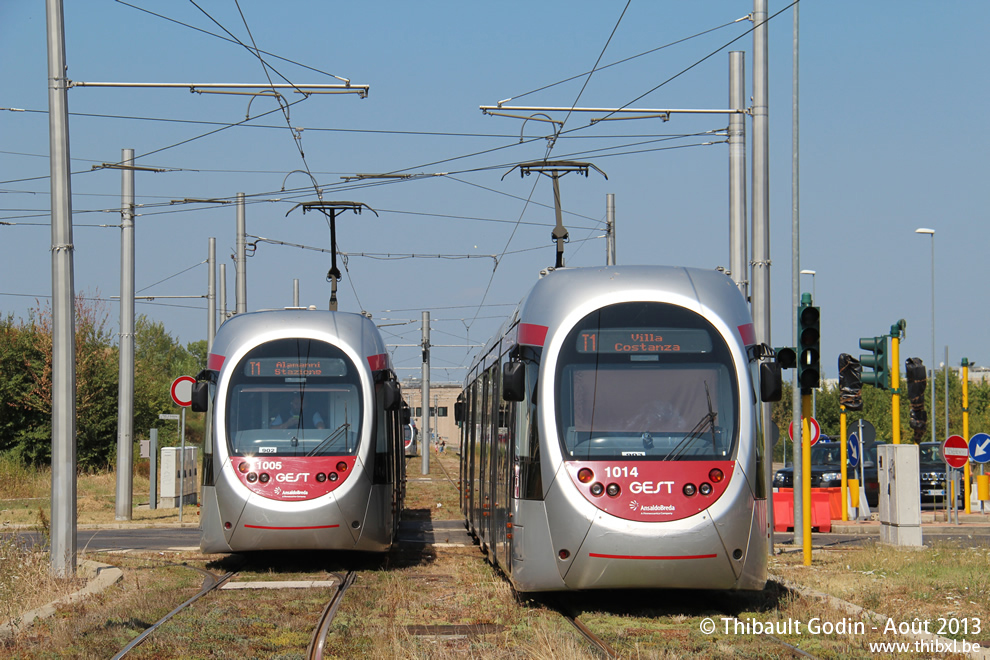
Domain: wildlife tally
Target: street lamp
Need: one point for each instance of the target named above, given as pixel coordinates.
(931, 232)
(813, 392)
(812, 273)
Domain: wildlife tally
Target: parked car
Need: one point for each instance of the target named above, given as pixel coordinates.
(826, 471)
(931, 469)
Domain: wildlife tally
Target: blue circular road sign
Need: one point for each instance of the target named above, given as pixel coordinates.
(979, 448)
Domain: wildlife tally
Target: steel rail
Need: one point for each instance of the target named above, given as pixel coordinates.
(210, 583)
(317, 643)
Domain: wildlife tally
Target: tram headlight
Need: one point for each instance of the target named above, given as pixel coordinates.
(243, 467)
(613, 490)
(333, 476)
(690, 490)
(264, 478)
(252, 477)
(705, 488)
(321, 477)
(597, 489)
(716, 475)
(585, 475)
(341, 466)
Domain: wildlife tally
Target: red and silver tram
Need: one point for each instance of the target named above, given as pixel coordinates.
(304, 443)
(612, 438)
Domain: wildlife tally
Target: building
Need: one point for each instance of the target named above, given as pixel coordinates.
(441, 409)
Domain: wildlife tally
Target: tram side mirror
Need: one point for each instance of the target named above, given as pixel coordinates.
(771, 382)
(514, 381)
(458, 411)
(200, 396)
(391, 396)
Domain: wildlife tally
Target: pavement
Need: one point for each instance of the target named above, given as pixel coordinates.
(932, 522)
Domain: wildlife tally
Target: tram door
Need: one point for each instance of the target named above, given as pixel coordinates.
(484, 464)
(502, 466)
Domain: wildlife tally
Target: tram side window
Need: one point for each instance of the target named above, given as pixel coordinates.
(528, 482)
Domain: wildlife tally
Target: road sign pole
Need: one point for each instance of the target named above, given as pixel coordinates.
(153, 495)
(182, 462)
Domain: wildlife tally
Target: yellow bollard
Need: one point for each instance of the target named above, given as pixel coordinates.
(983, 486)
(854, 492)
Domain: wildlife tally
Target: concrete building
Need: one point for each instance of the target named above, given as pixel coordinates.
(441, 409)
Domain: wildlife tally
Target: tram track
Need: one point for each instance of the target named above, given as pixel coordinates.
(318, 642)
(211, 582)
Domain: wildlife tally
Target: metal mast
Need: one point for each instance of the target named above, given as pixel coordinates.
(63, 521)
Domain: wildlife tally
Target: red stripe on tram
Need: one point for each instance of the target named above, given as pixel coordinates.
(601, 556)
(291, 528)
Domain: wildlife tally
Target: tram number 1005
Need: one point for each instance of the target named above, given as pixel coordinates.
(270, 465)
(616, 472)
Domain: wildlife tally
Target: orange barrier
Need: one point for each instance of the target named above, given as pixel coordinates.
(826, 506)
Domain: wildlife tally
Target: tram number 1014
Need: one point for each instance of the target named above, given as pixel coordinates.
(616, 472)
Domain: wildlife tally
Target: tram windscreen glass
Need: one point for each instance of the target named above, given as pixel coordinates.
(646, 381)
(294, 397)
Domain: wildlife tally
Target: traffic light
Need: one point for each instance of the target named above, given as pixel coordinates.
(877, 361)
(850, 382)
(786, 357)
(809, 345)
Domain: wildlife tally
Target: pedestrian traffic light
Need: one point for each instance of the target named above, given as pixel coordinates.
(786, 357)
(877, 361)
(809, 345)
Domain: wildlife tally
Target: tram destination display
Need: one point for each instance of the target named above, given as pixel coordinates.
(294, 367)
(642, 341)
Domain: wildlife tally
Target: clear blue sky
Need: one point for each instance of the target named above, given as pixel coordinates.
(893, 101)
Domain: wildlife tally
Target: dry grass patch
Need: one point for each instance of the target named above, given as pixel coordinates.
(435, 496)
(941, 581)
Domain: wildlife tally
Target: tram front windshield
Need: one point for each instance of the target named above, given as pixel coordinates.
(294, 397)
(646, 381)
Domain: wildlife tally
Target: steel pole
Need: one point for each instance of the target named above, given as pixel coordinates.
(425, 394)
(610, 233)
(223, 293)
(295, 292)
(211, 293)
(933, 337)
(241, 261)
(738, 245)
(63, 520)
(125, 387)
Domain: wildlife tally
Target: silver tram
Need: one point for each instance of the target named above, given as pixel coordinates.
(612, 436)
(304, 437)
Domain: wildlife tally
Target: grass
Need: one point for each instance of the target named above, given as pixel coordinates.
(448, 602)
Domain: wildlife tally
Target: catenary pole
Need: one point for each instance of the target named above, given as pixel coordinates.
(738, 246)
(211, 293)
(761, 217)
(125, 387)
(63, 520)
(425, 395)
(241, 261)
(223, 293)
(797, 404)
(610, 233)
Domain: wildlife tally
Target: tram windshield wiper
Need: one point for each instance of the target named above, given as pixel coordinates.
(705, 423)
(330, 438)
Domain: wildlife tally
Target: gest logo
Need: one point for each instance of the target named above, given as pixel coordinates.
(292, 477)
(651, 488)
